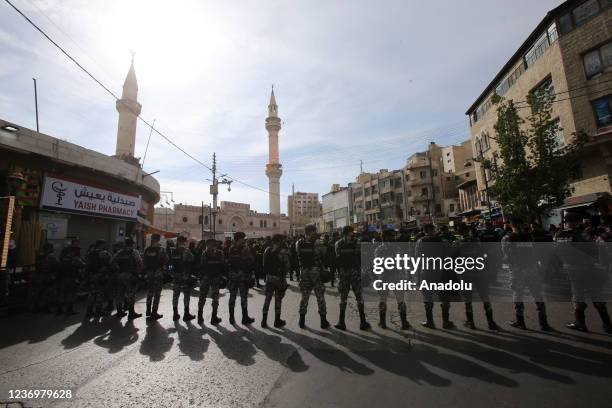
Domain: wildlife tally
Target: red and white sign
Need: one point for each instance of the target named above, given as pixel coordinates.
(62, 194)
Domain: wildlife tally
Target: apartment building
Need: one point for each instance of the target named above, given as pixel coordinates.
(303, 208)
(337, 208)
(568, 54)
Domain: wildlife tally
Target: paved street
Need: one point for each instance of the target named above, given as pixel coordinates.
(119, 364)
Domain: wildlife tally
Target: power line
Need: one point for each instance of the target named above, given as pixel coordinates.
(571, 97)
(117, 98)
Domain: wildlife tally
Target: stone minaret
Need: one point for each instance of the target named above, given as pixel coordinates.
(273, 168)
(129, 109)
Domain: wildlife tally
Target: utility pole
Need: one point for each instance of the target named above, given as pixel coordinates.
(292, 215)
(360, 166)
(214, 191)
(36, 104)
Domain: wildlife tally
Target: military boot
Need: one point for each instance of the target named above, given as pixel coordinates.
(404, 320)
(363, 323)
(155, 315)
(429, 321)
(382, 316)
(542, 318)
(446, 323)
(214, 319)
(602, 309)
(200, 314)
(278, 322)
(232, 320)
(264, 320)
(133, 314)
(120, 312)
(245, 316)
(324, 322)
(100, 312)
(148, 313)
(519, 321)
(302, 323)
(490, 322)
(176, 314)
(579, 322)
(187, 316)
(469, 317)
(89, 313)
(341, 323)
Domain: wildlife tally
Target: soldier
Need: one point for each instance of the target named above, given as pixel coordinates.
(99, 271)
(240, 260)
(128, 263)
(155, 259)
(44, 280)
(182, 263)
(348, 261)
(432, 245)
(519, 253)
(579, 254)
(71, 266)
(213, 269)
(469, 246)
(311, 254)
(275, 266)
(384, 250)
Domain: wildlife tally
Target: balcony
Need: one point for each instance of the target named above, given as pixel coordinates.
(419, 182)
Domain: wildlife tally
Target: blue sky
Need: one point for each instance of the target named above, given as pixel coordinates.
(354, 80)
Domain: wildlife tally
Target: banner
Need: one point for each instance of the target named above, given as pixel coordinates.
(61, 194)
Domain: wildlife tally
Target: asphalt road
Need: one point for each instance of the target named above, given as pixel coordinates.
(134, 364)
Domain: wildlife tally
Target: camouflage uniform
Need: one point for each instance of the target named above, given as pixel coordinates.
(99, 272)
(213, 269)
(128, 263)
(348, 263)
(154, 260)
(67, 283)
(240, 262)
(385, 250)
(44, 281)
(276, 264)
(311, 255)
(182, 262)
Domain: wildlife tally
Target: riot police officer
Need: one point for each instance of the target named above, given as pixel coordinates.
(154, 259)
(99, 272)
(240, 260)
(182, 263)
(276, 264)
(213, 270)
(128, 263)
(311, 255)
(519, 252)
(348, 262)
(71, 266)
(579, 254)
(44, 280)
(384, 250)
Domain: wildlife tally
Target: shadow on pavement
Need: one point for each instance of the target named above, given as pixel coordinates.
(233, 344)
(119, 336)
(156, 342)
(273, 347)
(191, 342)
(88, 330)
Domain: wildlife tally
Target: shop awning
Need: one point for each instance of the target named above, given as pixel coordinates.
(584, 200)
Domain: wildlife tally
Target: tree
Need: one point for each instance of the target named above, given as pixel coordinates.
(532, 170)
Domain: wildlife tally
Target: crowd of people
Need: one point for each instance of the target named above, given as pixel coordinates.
(113, 276)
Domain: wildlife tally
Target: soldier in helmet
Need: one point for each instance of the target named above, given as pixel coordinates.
(213, 269)
(276, 264)
(44, 278)
(240, 260)
(99, 271)
(182, 263)
(348, 262)
(128, 263)
(311, 255)
(71, 266)
(155, 258)
(579, 254)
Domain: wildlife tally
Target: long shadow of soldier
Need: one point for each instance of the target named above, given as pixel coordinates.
(156, 342)
(39, 328)
(326, 353)
(119, 336)
(233, 344)
(545, 351)
(191, 342)
(88, 330)
(273, 347)
(398, 357)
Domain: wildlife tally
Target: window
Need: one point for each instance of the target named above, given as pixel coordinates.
(467, 175)
(536, 51)
(437, 189)
(220, 221)
(185, 220)
(565, 24)
(200, 219)
(434, 173)
(206, 219)
(423, 174)
(274, 224)
(552, 33)
(585, 11)
(409, 193)
(603, 111)
(451, 208)
(424, 191)
(545, 87)
(559, 136)
(596, 61)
